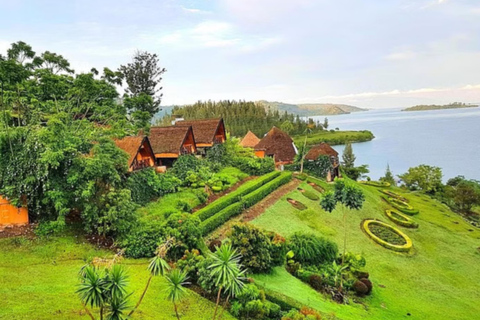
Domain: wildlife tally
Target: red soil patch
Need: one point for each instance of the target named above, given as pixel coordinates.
(11, 231)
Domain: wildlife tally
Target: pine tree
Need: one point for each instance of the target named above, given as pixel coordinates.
(325, 123)
(388, 176)
(348, 156)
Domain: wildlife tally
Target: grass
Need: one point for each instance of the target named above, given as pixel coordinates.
(334, 138)
(38, 280)
(437, 280)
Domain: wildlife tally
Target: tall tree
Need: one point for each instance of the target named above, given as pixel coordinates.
(423, 177)
(325, 123)
(143, 76)
(348, 156)
(388, 176)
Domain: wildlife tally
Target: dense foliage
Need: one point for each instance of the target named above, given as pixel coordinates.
(242, 116)
(312, 250)
(424, 177)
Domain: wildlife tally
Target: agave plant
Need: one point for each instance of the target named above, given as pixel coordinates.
(176, 280)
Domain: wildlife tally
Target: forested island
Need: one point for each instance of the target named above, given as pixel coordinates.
(454, 105)
(310, 109)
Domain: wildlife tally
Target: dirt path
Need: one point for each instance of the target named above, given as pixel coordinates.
(255, 211)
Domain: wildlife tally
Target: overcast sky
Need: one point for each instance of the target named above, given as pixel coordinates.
(368, 53)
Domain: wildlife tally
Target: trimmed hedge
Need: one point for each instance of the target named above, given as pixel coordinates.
(235, 196)
(401, 206)
(406, 222)
(399, 248)
(310, 195)
(285, 303)
(393, 195)
(377, 184)
(249, 200)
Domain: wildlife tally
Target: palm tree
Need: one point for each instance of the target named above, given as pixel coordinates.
(91, 290)
(176, 280)
(158, 266)
(226, 270)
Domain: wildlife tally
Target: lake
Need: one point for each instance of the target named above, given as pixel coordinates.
(449, 139)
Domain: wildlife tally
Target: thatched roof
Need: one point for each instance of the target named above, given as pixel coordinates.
(250, 140)
(204, 130)
(278, 143)
(130, 145)
(168, 139)
(319, 150)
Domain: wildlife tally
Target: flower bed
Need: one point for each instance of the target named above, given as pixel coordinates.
(402, 206)
(401, 219)
(316, 187)
(393, 195)
(387, 236)
(297, 204)
(309, 194)
(378, 184)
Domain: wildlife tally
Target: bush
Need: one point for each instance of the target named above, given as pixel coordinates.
(185, 229)
(312, 250)
(254, 166)
(143, 240)
(189, 264)
(257, 195)
(221, 217)
(302, 314)
(146, 185)
(367, 283)
(310, 195)
(360, 288)
(214, 244)
(316, 282)
(49, 228)
(235, 196)
(251, 304)
(256, 248)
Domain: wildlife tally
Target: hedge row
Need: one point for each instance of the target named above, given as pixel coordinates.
(401, 206)
(399, 248)
(285, 303)
(222, 203)
(249, 200)
(406, 222)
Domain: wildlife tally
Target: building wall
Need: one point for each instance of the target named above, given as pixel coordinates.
(11, 215)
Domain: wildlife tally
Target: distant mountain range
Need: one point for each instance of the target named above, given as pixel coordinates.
(454, 105)
(311, 109)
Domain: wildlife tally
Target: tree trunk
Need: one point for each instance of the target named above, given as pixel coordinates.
(303, 154)
(218, 302)
(141, 297)
(176, 310)
(88, 311)
(101, 313)
(224, 307)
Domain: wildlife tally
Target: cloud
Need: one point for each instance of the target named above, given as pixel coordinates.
(195, 11)
(401, 55)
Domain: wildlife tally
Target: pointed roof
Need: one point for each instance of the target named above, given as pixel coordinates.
(131, 145)
(168, 139)
(250, 140)
(278, 143)
(321, 149)
(204, 129)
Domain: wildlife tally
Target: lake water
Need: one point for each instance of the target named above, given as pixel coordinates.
(449, 139)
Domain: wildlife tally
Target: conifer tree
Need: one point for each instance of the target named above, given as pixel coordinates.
(348, 156)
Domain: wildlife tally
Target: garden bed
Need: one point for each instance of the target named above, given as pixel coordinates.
(297, 204)
(316, 187)
(393, 195)
(401, 206)
(387, 236)
(377, 184)
(309, 194)
(401, 219)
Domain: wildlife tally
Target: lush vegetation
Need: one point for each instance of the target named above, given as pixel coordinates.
(333, 137)
(454, 105)
(406, 280)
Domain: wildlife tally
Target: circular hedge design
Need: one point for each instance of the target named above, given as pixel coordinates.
(378, 184)
(309, 194)
(393, 195)
(402, 206)
(401, 219)
(387, 236)
(297, 204)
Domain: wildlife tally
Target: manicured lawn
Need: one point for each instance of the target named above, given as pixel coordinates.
(38, 281)
(438, 280)
(334, 138)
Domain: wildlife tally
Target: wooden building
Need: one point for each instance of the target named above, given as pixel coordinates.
(11, 215)
(168, 143)
(139, 150)
(277, 144)
(324, 149)
(207, 132)
(250, 140)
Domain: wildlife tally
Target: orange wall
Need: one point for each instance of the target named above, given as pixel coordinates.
(189, 142)
(260, 153)
(12, 215)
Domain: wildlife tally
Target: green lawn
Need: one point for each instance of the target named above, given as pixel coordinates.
(438, 280)
(334, 138)
(38, 281)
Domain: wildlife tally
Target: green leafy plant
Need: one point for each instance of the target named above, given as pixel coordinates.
(312, 250)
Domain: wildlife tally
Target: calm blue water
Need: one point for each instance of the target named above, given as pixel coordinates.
(449, 139)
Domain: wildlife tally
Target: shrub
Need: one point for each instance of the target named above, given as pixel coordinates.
(49, 228)
(315, 281)
(189, 263)
(221, 217)
(143, 240)
(310, 195)
(401, 206)
(251, 304)
(312, 250)
(381, 238)
(185, 229)
(257, 195)
(235, 196)
(278, 248)
(360, 288)
(302, 314)
(146, 185)
(214, 244)
(367, 283)
(256, 248)
(254, 166)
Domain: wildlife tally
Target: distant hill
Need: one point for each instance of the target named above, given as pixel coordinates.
(310, 109)
(455, 105)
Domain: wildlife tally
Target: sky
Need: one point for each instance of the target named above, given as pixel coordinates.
(367, 53)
